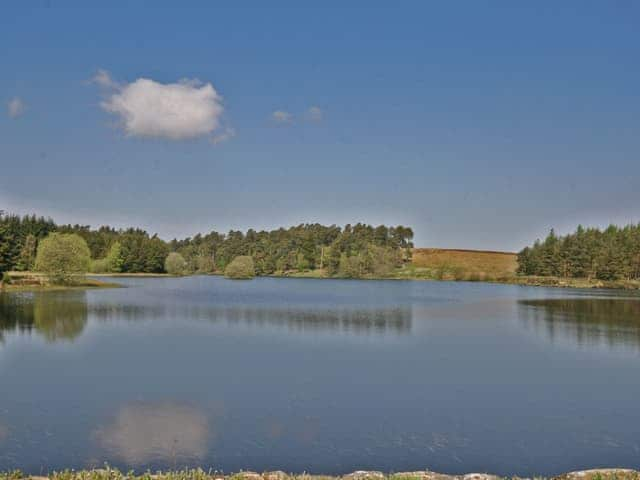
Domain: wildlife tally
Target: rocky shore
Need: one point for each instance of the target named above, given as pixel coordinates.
(199, 474)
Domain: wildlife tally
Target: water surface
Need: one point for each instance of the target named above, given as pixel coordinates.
(320, 375)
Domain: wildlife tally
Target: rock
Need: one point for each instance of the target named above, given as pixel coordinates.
(420, 475)
(277, 475)
(601, 474)
(247, 476)
(364, 475)
(479, 476)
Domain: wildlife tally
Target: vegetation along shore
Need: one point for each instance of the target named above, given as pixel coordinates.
(63, 254)
(199, 474)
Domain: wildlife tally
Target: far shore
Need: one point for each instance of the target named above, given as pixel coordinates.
(34, 282)
(125, 275)
(530, 281)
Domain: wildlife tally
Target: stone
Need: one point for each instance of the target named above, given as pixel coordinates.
(364, 475)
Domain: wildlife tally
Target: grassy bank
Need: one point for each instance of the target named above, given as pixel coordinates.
(132, 275)
(473, 266)
(198, 474)
(450, 264)
(34, 282)
(573, 282)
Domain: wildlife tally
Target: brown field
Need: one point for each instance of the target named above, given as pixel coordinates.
(459, 264)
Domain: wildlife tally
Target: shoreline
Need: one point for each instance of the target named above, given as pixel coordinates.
(25, 282)
(32, 282)
(527, 281)
(109, 473)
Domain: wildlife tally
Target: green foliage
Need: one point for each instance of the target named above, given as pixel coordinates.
(175, 264)
(14, 231)
(241, 267)
(203, 264)
(62, 256)
(27, 257)
(373, 260)
(114, 258)
(5, 278)
(112, 263)
(302, 248)
(612, 254)
(99, 266)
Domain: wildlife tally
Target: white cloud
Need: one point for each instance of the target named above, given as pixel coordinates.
(103, 78)
(281, 116)
(315, 114)
(227, 134)
(15, 107)
(176, 111)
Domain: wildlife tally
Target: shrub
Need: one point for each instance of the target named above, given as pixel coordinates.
(241, 267)
(114, 259)
(112, 263)
(350, 267)
(99, 266)
(175, 264)
(204, 264)
(63, 256)
(5, 278)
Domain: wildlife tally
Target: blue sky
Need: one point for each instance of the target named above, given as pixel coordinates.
(479, 124)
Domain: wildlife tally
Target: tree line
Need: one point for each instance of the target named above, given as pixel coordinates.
(350, 251)
(610, 254)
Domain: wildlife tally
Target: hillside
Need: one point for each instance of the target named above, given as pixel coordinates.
(454, 264)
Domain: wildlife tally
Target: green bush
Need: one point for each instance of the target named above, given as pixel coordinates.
(99, 266)
(5, 278)
(112, 263)
(175, 264)
(241, 267)
(63, 257)
(204, 264)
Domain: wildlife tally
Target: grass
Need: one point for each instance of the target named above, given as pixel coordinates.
(151, 275)
(35, 282)
(199, 474)
(447, 264)
(538, 281)
(472, 266)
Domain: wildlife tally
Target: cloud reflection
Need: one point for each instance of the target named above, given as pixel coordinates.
(166, 432)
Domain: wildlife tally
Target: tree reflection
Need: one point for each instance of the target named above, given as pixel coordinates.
(16, 313)
(351, 320)
(54, 315)
(169, 433)
(587, 321)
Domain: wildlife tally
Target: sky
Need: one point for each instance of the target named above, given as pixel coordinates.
(479, 124)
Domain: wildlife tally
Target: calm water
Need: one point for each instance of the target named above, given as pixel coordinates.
(318, 375)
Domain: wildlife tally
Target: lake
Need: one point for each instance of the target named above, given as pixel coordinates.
(325, 376)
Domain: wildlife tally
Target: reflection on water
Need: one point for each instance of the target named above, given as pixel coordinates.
(325, 376)
(353, 320)
(587, 321)
(144, 433)
(63, 316)
(54, 316)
